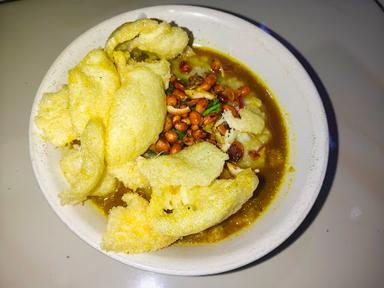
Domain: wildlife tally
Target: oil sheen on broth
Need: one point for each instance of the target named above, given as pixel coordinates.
(271, 174)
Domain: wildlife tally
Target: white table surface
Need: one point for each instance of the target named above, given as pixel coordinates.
(342, 244)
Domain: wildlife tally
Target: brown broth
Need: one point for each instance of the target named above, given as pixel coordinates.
(270, 176)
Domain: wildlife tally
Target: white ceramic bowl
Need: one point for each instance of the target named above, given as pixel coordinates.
(294, 91)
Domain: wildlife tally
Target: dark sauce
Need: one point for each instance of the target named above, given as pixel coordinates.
(107, 203)
(270, 176)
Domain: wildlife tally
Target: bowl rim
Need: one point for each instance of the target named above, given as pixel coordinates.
(319, 172)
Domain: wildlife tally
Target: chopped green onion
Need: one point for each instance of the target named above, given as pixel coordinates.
(213, 103)
(213, 107)
(180, 135)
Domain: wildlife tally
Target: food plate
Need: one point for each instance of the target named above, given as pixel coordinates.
(293, 90)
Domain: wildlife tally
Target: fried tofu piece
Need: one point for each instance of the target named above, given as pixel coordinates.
(129, 229)
(252, 142)
(179, 212)
(198, 164)
(53, 118)
(149, 35)
(92, 164)
(251, 121)
(92, 84)
(136, 117)
(130, 175)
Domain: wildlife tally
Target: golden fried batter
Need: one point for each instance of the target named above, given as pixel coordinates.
(92, 166)
(53, 118)
(178, 212)
(151, 36)
(198, 164)
(129, 228)
(136, 116)
(92, 84)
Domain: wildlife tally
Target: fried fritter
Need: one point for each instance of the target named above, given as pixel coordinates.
(71, 163)
(124, 66)
(53, 118)
(149, 35)
(136, 116)
(92, 164)
(195, 165)
(179, 212)
(129, 228)
(92, 84)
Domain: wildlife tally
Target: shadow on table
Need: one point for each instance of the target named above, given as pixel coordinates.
(333, 144)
